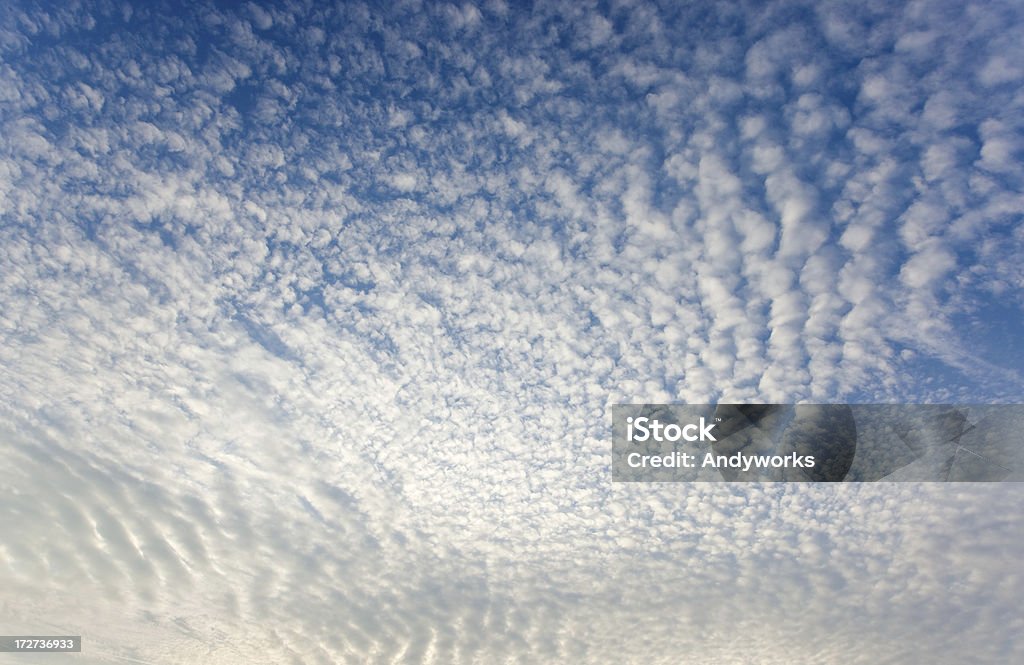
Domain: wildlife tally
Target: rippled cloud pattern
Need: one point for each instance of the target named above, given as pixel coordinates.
(312, 316)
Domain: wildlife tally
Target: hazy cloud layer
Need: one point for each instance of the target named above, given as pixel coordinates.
(311, 317)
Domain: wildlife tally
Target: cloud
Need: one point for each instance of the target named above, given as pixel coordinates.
(311, 317)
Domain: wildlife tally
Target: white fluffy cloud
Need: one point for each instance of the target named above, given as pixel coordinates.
(311, 318)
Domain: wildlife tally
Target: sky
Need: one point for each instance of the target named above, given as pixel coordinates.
(312, 316)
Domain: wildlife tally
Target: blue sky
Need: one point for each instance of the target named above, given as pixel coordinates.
(312, 316)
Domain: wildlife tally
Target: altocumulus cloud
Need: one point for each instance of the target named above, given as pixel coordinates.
(311, 315)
